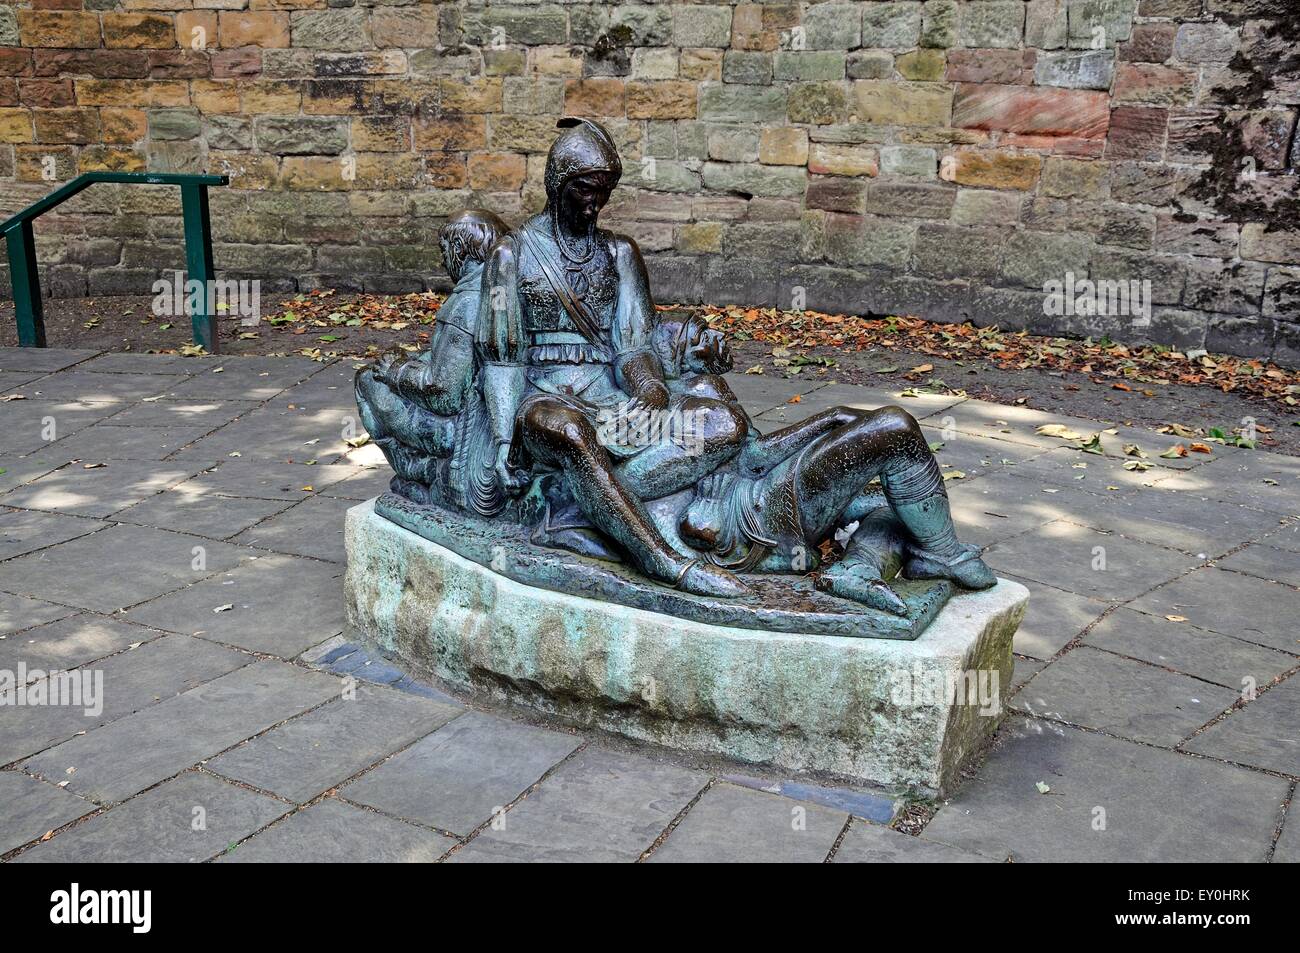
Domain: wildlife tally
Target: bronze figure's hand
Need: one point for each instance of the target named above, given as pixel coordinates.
(511, 479)
(710, 354)
(652, 396)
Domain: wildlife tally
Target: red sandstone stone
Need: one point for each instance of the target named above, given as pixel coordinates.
(1084, 114)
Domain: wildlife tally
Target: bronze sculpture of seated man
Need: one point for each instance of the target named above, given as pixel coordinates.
(569, 362)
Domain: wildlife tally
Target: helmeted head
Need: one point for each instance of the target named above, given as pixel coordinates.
(469, 236)
(582, 169)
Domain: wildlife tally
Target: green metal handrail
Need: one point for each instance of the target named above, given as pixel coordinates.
(198, 249)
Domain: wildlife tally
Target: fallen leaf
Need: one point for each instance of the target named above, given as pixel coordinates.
(1093, 445)
(1059, 430)
(1176, 618)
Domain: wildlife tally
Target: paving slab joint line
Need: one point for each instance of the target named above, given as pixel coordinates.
(1283, 819)
(507, 808)
(260, 405)
(672, 825)
(96, 811)
(1272, 773)
(195, 765)
(333, 790)
(1240, 703)
(839, 838)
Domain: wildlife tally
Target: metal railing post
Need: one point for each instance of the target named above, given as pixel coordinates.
(17, 231)
(198, 259)
(26, 284)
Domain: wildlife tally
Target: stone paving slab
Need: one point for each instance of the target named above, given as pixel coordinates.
(244, 378)
(975, 455)
(1264, 734)
(1156, 806)
(1183, 521)
(1053, 618)
(1285, 537)
(1067, 466)
(874, 844)
(86, 385)
(1026, 668)
(117, 567)
(1153, 444)
(1005, 422)
(998, 506)
(101, 442)
(186, 509)
(99, 491)
(189, 819)
(735, 825)
(34, 423)
(1183, 647)
(599, 806)
(336, 833)
(309, 755)
(19, 612)
(1268, 481)
(33, 808)
(1067, 555)
(279, 605)
(1095, 689)
(1265, 562)
(274, 433)
(1231, 603)
(313, 528)
(71, 642)
(464, 773)
(21, 470)
(367, 484)
(127, 756)
(12, 380)
(47, 360)
(289, 482)
(197, 414)
(135, 363)
(22, 531)
(1288, 844)
(133, 680)
(760, 392)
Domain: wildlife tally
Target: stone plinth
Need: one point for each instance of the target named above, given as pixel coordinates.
(877, 710)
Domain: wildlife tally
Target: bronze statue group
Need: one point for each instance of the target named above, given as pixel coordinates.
(547, 360)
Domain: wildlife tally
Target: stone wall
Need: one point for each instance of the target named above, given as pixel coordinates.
(941, 158)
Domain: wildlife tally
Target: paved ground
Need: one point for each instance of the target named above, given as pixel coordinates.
(173, 526)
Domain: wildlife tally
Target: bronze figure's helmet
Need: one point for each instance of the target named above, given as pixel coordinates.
(583, 147)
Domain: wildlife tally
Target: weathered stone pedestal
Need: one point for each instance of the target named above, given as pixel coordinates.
(877, 710)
